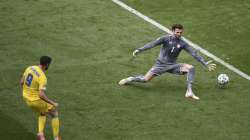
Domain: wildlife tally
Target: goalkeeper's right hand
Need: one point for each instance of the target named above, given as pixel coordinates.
(135, 52)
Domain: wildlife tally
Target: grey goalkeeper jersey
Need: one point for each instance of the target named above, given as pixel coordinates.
(171, 48)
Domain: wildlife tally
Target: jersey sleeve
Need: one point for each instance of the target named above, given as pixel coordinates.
(199, 58)
(42, 82)
(25, 73)
(152, 44)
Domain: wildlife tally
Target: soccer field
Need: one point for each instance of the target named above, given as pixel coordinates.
(91, 42)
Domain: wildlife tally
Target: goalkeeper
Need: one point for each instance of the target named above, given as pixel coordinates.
(172, 45)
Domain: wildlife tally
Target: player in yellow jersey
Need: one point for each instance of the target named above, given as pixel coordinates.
(33, 84)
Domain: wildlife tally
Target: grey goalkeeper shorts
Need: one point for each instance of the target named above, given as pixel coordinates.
(159, 69)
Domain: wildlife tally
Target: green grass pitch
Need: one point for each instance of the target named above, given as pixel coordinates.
(91, 42)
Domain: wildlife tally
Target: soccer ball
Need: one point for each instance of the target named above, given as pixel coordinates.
(223, 79)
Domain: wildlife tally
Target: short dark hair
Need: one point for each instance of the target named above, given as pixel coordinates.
(45, 60)
(178, 26)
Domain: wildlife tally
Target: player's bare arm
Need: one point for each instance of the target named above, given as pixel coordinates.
(21, 82)
(43, 96)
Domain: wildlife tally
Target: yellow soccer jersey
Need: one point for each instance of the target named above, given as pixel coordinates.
(34, 80)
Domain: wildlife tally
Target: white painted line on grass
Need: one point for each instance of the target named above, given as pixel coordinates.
(205, 52)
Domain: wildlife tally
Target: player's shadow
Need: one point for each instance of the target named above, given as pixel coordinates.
(11, 129)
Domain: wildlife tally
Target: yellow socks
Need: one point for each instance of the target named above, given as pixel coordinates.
(41, 123)
(54, 124)
(55, 127)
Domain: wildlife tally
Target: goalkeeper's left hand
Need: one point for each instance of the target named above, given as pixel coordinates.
(135, 52)
(211, 66)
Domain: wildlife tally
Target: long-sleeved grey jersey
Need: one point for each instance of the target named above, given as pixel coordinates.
(171, 48)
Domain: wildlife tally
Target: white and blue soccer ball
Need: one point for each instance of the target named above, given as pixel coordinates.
(223, 79)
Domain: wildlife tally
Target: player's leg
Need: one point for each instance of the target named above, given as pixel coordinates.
(140, 78)
(39, 106)
(143, 79)
(156, 70)
(41, 125)
(190, 71)
(54, 123)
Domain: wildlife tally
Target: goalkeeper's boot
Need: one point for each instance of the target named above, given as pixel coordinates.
(190, 94)
(126, 81)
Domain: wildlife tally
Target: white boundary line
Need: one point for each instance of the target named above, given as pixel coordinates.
(203, 51)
